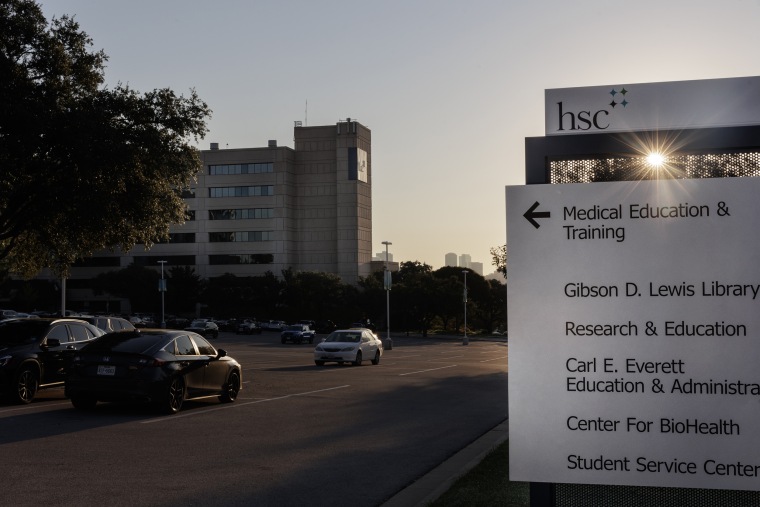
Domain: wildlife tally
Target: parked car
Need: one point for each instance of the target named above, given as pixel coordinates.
(325, 327)
(161, 366)
(108, 324)
(297, 333)
(273, 325)
(248, 326)
(349, 346)
(204, 328)
(7, 314)
(36, 353)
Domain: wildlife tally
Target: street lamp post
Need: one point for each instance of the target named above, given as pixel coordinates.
(466, 340)
(63, 296)
(162, 290)
(387, 286)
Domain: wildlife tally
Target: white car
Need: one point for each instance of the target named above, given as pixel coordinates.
(349, 346)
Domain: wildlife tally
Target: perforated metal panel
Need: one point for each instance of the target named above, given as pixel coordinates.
(589, 495)
(710, 165)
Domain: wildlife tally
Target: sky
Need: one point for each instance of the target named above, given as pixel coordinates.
(449, 89)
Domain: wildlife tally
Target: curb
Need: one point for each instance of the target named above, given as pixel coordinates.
(436, 482)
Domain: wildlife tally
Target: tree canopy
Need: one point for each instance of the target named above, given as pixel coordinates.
(83, 167)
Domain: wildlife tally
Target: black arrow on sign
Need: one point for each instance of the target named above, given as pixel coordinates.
(531, 214)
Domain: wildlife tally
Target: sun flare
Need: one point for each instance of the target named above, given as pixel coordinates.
(655, 160)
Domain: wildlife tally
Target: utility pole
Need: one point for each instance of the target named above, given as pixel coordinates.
(162, 290)
(387, 286)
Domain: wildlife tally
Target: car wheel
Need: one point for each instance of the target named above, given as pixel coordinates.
(27, 383)
(358, 360)
(231, 389)
(283, 340)
(311, 340)
(319, 363)
(83, 402)
(376, 360)
(175, 396)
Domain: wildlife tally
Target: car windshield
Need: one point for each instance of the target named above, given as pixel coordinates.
(19, 332)
(198, 323)
(344, 337)
(294, 328)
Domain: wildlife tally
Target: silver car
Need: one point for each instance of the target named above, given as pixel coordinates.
(349, 346)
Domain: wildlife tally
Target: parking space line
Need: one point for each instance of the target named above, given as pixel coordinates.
(32, 407)
(423, 371)
(493, 359)
(234, 405)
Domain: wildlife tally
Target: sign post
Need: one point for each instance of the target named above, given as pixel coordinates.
(635, 333)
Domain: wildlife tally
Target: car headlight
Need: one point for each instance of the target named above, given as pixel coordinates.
(5, 360)
(318, 349)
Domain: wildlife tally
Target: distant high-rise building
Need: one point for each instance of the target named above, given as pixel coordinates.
(465, 260)
(451, 260)
(380, 256)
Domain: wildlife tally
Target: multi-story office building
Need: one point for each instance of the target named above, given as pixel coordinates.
(450, 259)
(253, 210)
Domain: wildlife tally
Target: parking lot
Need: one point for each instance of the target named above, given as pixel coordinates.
(298, 434)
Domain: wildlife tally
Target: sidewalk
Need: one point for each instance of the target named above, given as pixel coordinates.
(439, 480)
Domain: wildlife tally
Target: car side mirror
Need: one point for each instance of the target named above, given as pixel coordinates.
(221, 353)
(52, 342)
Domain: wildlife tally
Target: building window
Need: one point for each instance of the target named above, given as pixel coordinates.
(258, 168)
(190, 215)
(254, 191)
(98, 262)
(240, 214)
(171, 260)
(217, 260)
(182, 237)
(187, 193)
(240, 236)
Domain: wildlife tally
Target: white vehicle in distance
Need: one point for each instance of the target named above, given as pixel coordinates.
(349, 346)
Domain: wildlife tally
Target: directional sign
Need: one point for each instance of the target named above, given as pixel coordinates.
(634, 333)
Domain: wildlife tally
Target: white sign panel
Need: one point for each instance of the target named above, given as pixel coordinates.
(634, 333)
(650, 106)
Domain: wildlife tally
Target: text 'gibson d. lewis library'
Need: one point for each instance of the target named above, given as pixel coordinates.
(254, 210)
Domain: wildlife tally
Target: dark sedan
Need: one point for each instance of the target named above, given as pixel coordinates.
(35, 353)
(161, 366)
(204, 328)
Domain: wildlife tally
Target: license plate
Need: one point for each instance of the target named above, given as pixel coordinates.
(106, 370)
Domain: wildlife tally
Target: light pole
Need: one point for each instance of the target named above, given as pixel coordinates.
(63, 296)
(162, 290)
(387, 286)
(466, 340)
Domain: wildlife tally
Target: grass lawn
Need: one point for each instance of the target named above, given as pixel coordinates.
(487, 485)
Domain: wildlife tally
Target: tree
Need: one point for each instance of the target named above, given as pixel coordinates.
(184, 287)
(137, 283)
(499, 258)
(83, 167)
